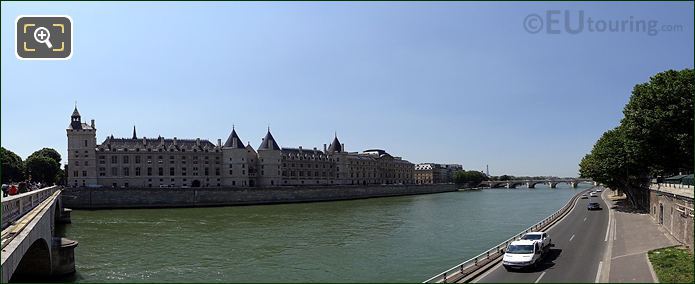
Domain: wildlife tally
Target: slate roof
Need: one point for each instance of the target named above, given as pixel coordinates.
(266, 145)
(82, 126)
(231, 143)
(335, 145)
(155, 142)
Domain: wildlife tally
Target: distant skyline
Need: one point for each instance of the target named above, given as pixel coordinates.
(439, 82)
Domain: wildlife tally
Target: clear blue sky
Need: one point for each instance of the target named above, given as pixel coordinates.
(432, 82)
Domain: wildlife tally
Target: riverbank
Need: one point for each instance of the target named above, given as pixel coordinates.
(117, 198)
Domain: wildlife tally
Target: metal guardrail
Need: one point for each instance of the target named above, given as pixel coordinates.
(15, 206)
(467, 267)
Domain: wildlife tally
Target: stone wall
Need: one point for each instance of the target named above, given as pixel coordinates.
(674, 213)
(112, 198)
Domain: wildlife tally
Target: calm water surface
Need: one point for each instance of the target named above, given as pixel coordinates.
(395, 239)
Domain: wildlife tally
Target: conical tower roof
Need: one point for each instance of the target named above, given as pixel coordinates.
(75, 112)
(233, 141)
(269, 142)
(335, 145)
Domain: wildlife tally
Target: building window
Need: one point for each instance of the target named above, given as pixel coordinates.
(207, 171)
(171, 171)
(114, 159)
(161, 171)
(126, 171)
(84, 173)
(77, 163)
(75, 173)
(217, 171)
(149, 171)
(125, 159)
(86, 163)
(137, 159)
(85, 143)
(137, 171)
(114, 171)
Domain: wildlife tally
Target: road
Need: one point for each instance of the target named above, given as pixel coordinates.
(580, 242)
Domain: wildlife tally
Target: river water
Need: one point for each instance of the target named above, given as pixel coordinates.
(394, 239)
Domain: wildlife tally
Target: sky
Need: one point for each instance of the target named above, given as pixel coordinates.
(470, 83)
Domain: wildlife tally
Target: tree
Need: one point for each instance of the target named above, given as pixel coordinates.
(659, 123)
(469, 178)
(12, 166)
(42, 169)
(44, 165)
(654, 138)
(47, 152)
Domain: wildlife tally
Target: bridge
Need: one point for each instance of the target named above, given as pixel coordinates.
(30, 247)
(552, 183)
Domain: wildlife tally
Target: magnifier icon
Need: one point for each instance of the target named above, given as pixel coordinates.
(42, 35)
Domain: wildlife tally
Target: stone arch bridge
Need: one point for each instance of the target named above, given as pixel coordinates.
(30, 247)
(552, 183)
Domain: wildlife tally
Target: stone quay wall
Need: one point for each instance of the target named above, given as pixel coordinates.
(671, 206)
(115, 198)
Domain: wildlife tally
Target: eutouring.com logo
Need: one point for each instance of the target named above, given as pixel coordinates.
(575, 22)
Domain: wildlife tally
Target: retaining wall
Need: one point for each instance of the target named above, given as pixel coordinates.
(112, 198)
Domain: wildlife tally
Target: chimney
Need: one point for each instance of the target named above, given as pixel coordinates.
(174, 141)
(300, 148)
(219, 142)
(197, 141)
(144, 140)
(324, 147)
(342, 147)
(92, 123)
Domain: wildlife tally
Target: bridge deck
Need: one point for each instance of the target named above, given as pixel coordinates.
(17, 226)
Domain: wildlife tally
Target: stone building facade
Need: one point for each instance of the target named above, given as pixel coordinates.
(163, 162)
(429, 173)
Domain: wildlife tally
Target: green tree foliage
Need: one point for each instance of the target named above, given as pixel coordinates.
(49, 153)
(12, 166)
(44, 166)
(42, 169)
(654, 138)
(659, 122)
(469, 178)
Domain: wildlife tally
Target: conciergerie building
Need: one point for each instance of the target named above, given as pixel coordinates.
(163, 162)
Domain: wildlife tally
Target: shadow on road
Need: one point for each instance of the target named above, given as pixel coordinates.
(547, 262)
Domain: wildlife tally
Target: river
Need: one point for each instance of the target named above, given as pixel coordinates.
(394, 239)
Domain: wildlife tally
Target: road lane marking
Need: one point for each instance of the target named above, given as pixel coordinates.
(615, 230)
(598, 272)
(571, 238)
(584, 219)
(608, 229)
(539, 277)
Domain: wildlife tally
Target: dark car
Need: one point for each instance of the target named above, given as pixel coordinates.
(593, 206)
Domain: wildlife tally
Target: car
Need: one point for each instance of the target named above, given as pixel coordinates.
(598, 190)
(540, 237)
(593, 206)
(584, 196)
(593, 194)
(522, 254)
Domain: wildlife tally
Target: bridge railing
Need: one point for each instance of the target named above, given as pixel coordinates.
(467, 267)
(15, 206)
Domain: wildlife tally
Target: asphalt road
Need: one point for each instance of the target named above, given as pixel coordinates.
(580, 243)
